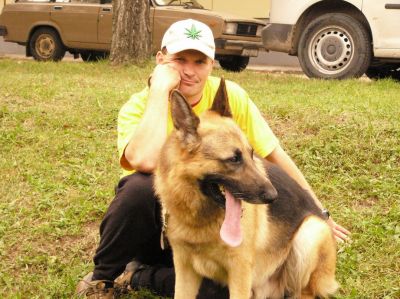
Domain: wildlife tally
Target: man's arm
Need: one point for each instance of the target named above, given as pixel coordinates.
(282, 159)
(144, 148)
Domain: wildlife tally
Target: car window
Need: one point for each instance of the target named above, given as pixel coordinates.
(37, 1)
(187, 3)
(85, 1)
(41, 1)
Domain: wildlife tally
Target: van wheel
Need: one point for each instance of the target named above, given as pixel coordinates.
(90, 56)
(384, 71)
(45, 45)
(233, 63)
(334, 46)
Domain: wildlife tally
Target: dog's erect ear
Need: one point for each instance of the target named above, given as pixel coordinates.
(185, 121)
(221, 102)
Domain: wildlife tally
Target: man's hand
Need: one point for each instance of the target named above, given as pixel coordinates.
(165, 77)
(341, 234)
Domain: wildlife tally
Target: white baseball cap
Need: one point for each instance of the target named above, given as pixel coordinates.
(189, 34)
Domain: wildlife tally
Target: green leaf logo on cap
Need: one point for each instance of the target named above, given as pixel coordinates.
(193, 33)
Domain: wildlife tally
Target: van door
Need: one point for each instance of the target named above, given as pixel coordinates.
(384, 19)
(77, 20)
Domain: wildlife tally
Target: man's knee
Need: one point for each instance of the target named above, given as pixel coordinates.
(135, 193)
(136, 183)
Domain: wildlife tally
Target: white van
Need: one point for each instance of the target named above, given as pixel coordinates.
(337, 39)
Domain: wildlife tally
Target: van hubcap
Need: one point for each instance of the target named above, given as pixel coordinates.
(331, 50)
(45, 46)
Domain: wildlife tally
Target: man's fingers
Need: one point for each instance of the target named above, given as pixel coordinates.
(338, 234)
(342, 229)
(341, 234)
(339, 240)
(164, 76)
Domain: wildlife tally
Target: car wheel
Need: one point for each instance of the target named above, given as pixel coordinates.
(384, 71)
(93, 56)
(334, 46)
(233, 63)
(45, 45)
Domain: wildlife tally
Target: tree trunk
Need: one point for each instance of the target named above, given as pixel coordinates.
(131, 39)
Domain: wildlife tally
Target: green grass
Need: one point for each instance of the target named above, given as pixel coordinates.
(58, 167)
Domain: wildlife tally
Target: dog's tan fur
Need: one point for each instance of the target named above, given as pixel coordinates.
(269, 261)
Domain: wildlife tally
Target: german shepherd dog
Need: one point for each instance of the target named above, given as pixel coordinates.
(234, 219)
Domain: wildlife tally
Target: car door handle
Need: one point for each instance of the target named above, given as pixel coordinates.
(106, 9)
(57, 7)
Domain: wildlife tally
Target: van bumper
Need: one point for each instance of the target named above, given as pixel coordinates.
(277, 37)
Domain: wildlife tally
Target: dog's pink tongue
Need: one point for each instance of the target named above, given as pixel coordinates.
(230, 231)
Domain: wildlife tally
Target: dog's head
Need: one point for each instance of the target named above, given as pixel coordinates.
(218, 154)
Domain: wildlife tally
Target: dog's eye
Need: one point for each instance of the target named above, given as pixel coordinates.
(237, 158)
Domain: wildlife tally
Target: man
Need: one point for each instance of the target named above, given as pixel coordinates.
(131, 228)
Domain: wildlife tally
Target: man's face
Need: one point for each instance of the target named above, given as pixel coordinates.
(194, 67)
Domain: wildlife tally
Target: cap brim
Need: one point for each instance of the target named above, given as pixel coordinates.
(191, 45)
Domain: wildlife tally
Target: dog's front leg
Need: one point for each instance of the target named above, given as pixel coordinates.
(187, 281)
(240, 281)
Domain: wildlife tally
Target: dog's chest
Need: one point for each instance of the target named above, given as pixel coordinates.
(210, 262)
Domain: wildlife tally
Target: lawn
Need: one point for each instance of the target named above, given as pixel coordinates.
(58, 167)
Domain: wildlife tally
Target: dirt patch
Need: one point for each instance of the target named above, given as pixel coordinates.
(41, 252)
(85, 243)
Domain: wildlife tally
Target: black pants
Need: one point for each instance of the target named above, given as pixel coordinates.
(131, 230)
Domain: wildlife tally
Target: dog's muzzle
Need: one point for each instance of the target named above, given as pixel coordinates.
(214, 187)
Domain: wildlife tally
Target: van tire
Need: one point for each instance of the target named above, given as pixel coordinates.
(233, 63)
(45, 45)
(334, 46)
